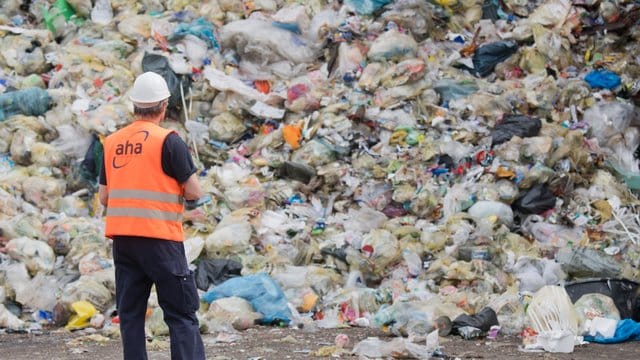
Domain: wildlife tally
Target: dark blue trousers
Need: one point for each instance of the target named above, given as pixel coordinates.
(141, 262)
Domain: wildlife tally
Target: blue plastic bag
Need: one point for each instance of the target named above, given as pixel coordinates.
(602, 79)
(200, 28)
(31, 102)
(626, 330)
(261, 291)
(366, 7)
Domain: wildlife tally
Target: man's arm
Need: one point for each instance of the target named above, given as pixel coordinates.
(103, 194)
(192, 189)
(177, 163)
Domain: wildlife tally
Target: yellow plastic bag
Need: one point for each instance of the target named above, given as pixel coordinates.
(84, 310)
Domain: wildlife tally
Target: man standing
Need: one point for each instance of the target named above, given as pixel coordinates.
(146, 175)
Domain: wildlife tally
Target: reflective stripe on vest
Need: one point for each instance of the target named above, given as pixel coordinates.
(146, 195)
(144, 213)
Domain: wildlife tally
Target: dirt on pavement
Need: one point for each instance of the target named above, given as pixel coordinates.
(268, 343)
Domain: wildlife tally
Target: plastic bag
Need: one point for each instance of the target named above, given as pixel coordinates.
(487, 56)
(72, 141)
(81, 7)
(160, 65)
(610, 119)
(403, 72)
(231, 236)
(215, 271)
(83, 311)
(193, 247)
(44, 192)
(37, 255)
(510, 311)
(136, 26)
(536, 200)
(43, 154)
(230, 313)
(155, 323)
(200, 28)
(296, 171)
(593, 306)
(262, 42)
(39, 292)
(603, 79)
(392, 45)
(366, 7)
(226, 127)
(626, 330)
(521, 126)
(551, 310)
(85, 241)
(551, 13)
(8, 320)
(56, 16)
(90, 290)
(261, 291)
(22, 55)
(483, 320)
(31, 102)
(314, 153)
(223, 82)
(451, 90)
(623, 292)
(484, 209)
(93, 262)
(582, 262)
(381, 248)
(412, 318)
(102, 12)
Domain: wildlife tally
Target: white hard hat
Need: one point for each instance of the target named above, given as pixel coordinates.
(148, 89)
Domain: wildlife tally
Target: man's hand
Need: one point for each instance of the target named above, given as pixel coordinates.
(193, 204)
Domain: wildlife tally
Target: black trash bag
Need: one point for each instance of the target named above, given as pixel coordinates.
(336, 252)
(296, 171)
(160, 65)
(515, 125)
(488, 56)
(490, 10)
(216, 271)
(92, 162)
(623, 292)
(537, 200)
(483, 320)
(447, 161)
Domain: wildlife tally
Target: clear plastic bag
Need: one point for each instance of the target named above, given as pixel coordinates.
(229, 239)
(257, 40)
(37, 255)
(392, 45)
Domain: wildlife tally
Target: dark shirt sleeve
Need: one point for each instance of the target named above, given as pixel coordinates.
(103, 176)
(176, 158)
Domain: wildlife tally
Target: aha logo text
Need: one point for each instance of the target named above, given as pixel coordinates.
(127, 151)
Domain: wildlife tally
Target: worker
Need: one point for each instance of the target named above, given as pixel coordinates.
(147, 173)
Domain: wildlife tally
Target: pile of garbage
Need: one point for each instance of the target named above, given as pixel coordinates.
(410, 165)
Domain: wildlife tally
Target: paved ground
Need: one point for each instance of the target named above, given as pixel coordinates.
(265, 343)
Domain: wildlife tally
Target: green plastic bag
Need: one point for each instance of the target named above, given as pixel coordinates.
(59, 13)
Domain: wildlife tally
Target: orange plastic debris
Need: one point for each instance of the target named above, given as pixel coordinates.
(263, 86)
(292, 134)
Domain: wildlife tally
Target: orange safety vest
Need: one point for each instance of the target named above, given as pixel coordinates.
(143, 200)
